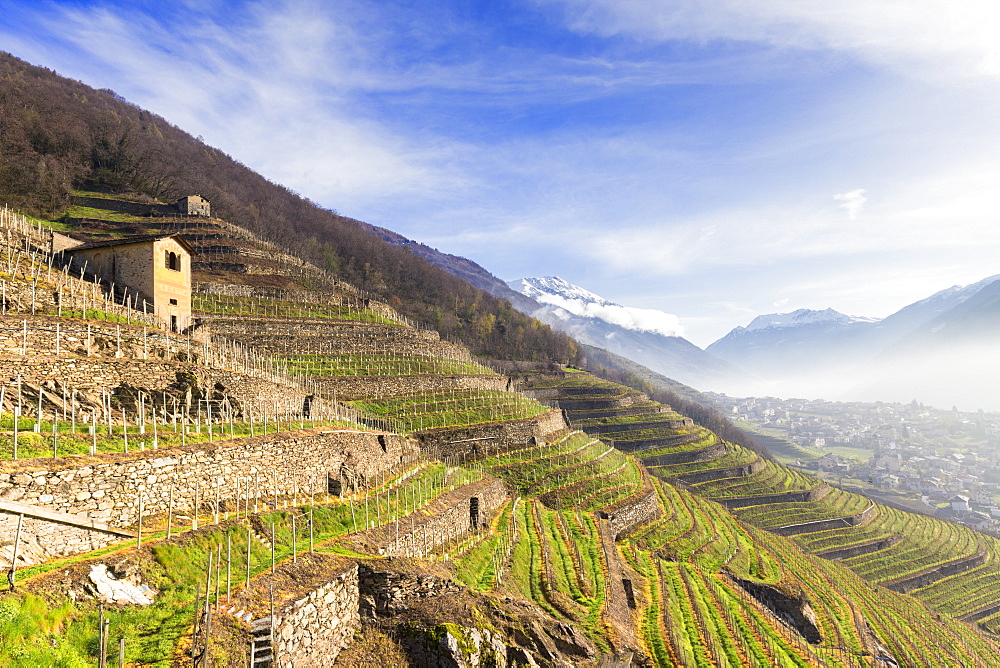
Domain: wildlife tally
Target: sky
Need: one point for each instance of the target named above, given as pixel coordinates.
(713, 160)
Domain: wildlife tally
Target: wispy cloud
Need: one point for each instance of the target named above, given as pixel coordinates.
(852, 202)
(936, 35)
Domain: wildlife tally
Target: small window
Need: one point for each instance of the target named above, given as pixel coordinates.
(173, 302)
(173, 261)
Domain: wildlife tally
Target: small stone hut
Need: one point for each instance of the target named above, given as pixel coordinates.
(156, 268)
(194, 205)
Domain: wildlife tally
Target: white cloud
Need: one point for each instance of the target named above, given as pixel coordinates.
(852, 202)
(918, 36)
(638, 319)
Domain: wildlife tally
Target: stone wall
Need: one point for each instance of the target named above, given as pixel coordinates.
(688, 456)
(311, 630)
(450, 524)
(90, 375)
(838, 553)
(361, 387)
(650, 443)
(928, 576)
(720, 474)
(107, 487)
(131, 208)
(679, 423)
(388, 593)
(275, 337)
(475, 441)
(814, 494)
(621, 401)
(637, 510)
(825, 525)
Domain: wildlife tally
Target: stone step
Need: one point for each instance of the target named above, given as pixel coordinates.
(264, 623)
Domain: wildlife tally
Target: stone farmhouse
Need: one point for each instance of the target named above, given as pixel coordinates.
(155, 268)
(194, 205)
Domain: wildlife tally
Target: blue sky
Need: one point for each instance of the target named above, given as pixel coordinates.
(712, 160)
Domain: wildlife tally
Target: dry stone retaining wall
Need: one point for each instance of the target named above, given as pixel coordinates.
(311, 631)
(272, 338)
(636, 512)
(814, 494)
(687, 457)
(451, 524)
(89, 374)
(679, 423)
(721, 474)
(389, 593)
(107, 487)
(475, 441)
(362, 387)
(825, 525)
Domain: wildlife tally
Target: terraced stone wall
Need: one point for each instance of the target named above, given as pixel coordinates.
(635, 512)
(41, 335)
(106, 488)
(277, 339)
(361, 387)
(679, 423)
(826, 525)
(477, 440)
(390, 593)
(467, 514)
(310, 631)
(89, 374)
(814, 494)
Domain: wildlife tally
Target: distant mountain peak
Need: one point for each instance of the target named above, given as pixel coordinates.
(554, 285)
(560, 293)
(804, 317)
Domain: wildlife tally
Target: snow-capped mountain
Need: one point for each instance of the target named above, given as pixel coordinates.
(647, 336)
(562, 294)
(943, 350)
(805, 316)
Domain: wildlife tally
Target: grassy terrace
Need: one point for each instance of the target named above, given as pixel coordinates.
(925, 543)
(558, 564)
(697, 438)
(629, 419)
(578, 381)
(772, 479)
(968, 592)
(734, 456)
(271, 308)
(379, 365)
(639, 408)
(525, 472)
(837, 503)
(413, 412)
(42, 444)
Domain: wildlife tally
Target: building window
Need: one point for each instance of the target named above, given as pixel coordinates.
(173, 261)
(173, 302)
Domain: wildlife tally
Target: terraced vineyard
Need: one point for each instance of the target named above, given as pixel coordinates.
(880, 544)
(543, 521)
(378, 365)
(432, 410)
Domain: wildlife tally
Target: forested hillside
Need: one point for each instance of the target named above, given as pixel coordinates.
(57, 135)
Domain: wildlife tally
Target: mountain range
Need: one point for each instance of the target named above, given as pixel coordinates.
(942, 350)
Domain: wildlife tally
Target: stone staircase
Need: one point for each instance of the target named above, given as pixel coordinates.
(261, 649)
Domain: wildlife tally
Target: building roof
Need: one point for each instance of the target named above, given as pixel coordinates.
(135, 239)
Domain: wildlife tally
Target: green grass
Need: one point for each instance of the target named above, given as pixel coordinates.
(414, 412)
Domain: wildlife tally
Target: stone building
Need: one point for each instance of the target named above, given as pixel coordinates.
(194, 205)
(156, 269)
